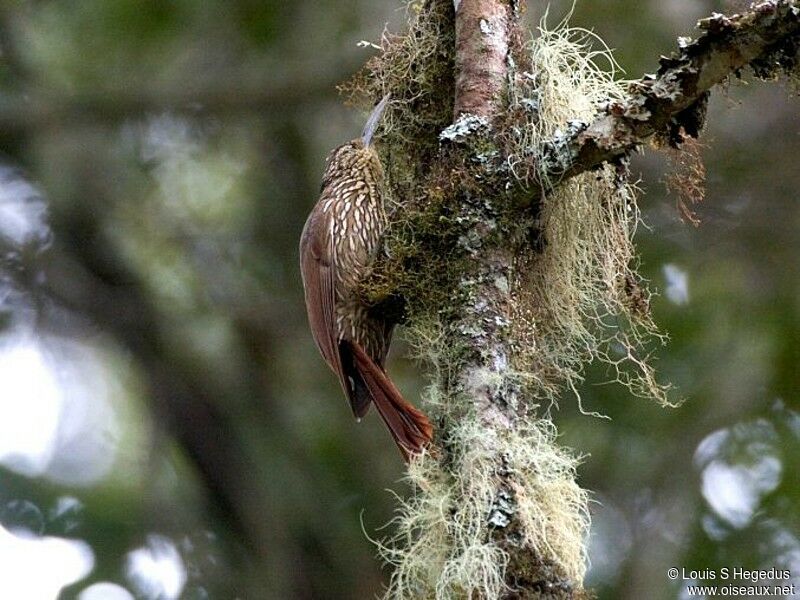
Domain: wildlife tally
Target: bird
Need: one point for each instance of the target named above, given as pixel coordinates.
(338, 246)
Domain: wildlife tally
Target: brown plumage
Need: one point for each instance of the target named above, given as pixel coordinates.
(339, 242)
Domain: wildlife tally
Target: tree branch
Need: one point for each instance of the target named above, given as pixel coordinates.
(494, 453)
(485, 379)
(765, 38)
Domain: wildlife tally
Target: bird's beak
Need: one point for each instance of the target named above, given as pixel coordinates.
(374, 119)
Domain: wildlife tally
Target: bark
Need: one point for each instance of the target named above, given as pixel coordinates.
(482, 41)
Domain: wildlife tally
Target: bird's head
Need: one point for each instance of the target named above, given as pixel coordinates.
(359, 153)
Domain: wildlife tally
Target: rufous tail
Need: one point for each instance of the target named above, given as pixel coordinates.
(408, 425)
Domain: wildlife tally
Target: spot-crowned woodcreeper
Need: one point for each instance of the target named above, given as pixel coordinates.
(340, 241)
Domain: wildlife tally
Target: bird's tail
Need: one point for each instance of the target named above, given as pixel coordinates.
(408, 425)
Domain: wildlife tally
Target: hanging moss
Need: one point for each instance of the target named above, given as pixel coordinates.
(578, 297)
(441, 549)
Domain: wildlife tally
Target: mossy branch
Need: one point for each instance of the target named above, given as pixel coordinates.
(669, 104)
(766, 38)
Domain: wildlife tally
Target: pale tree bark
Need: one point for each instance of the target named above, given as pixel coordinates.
(481, 387)
(485, 34)
(485, 31)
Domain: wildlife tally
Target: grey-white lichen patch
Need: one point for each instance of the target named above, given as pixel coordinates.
(481, 381)
(501, 321)
(634, 109)
(501, 283)
(470, 330)
(669, 86)
(487, 158)
(511, 64)
(717, 22)
(466, 126)
(471, 242)
(500, 362)
(575, 126)
(530, 104)
(502, 510)
(559, 153)
(486, 27)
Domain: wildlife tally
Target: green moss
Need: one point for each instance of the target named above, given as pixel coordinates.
(416, 68)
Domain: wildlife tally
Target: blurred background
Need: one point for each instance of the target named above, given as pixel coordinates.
(167, 428)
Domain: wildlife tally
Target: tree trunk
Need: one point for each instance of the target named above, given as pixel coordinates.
(496, 511)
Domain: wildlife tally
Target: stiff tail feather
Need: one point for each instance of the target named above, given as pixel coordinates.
(408, 425)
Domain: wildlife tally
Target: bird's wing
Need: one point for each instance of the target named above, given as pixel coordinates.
(318, 281)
